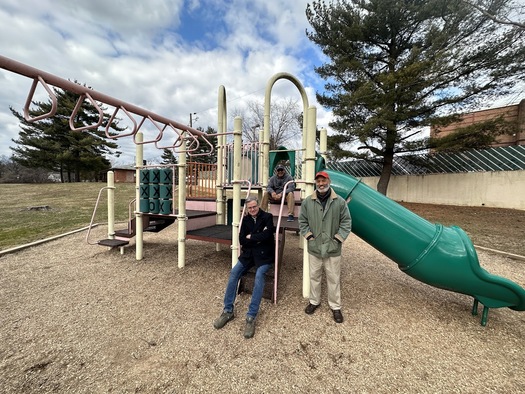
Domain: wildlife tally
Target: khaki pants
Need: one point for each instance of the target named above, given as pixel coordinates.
(290, 202)
(332, 267)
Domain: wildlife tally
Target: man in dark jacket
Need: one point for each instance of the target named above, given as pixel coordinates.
(257, 250)
(275, 191)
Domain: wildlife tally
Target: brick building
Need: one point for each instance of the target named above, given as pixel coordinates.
(511, 113)
(122, 174)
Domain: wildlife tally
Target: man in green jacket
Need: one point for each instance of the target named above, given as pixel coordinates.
(325, 222)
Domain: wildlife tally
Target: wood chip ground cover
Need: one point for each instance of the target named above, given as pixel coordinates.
(77, 318)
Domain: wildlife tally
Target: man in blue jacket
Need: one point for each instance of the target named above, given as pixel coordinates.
(257, 250)
(325, 222)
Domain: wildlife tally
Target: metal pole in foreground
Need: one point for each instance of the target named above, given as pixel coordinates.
(111, 205)
(237, 151)
(139, 229)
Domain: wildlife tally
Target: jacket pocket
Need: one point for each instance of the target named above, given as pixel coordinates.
(334, 248)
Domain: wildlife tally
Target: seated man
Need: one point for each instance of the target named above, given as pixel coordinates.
(274, 191)
(257, 250)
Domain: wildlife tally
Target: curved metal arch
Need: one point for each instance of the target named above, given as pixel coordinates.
(266, 130)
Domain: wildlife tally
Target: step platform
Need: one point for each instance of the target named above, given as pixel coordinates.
(114, 243)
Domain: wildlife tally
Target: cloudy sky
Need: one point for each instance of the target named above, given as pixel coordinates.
(166, 56)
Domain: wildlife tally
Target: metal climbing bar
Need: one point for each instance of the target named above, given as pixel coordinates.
(96, 98)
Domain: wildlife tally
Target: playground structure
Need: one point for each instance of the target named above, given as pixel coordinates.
(440, 256)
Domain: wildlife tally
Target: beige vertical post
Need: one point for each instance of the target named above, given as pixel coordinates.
(309, 175)
(139, 229)
(111, 205)
(181, 214)
(237, 152)
(266, 143)
(260, 174)
(221, 142)
(323, 143)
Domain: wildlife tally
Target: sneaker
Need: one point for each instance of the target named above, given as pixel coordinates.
(224, 318)
(338, 316)
(310, 308)
(290, 218)
(249, 330)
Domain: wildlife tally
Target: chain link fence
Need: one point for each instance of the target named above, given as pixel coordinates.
(507, 158)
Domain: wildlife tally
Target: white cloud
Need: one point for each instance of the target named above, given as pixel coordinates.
(139, 52)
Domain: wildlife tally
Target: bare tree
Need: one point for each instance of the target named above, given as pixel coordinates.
(12, 172)
(488, 7)
(285, 125)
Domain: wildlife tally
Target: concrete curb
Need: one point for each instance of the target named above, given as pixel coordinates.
(509, 255)
(41, 241)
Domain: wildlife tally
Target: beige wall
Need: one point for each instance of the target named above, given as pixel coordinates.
(502, 189)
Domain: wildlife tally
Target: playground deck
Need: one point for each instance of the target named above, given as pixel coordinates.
(221, 233)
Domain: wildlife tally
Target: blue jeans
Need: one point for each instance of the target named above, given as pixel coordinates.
(231, 289)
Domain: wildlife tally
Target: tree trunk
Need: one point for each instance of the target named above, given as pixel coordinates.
(384, 179)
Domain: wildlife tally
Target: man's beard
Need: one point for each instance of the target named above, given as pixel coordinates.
(323, 189)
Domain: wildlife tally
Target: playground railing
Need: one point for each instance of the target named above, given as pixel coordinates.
(201, 180)
(250, 163)
(281, 207)
(91, 225)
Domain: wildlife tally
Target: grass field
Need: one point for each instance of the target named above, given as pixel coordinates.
(70, 205)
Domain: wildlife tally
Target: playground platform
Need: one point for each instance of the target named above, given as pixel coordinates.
(220, 233)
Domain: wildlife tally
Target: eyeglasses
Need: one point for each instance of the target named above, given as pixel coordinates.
(253, 207)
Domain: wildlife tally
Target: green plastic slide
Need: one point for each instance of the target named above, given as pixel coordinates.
(440, 256)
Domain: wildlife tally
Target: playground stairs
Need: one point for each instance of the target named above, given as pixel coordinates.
(247, 281)
(149, 223)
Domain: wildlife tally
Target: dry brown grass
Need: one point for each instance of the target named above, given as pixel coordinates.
(495, 228)
(82, 319)
(70, 206)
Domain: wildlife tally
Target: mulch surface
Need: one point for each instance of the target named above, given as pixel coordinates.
(78, 318)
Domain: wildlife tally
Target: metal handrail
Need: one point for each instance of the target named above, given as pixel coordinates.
(276, 271)
(131, 213)
(94, 213)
